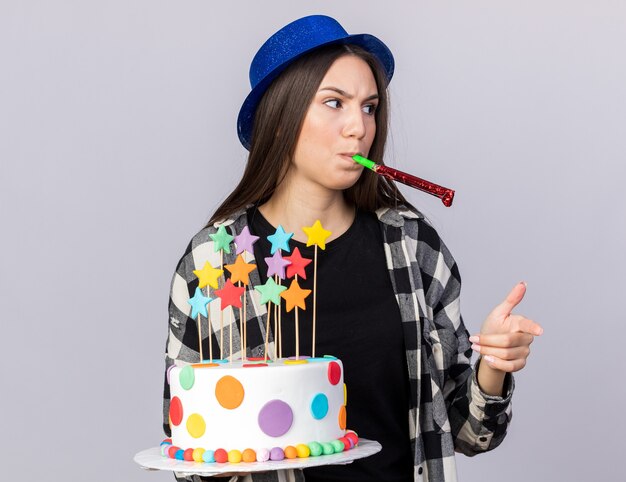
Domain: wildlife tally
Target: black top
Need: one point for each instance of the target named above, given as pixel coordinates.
(358, 321)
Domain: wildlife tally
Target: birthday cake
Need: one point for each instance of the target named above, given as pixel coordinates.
(255, 410)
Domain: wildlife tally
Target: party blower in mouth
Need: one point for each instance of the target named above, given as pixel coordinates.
(446, 195)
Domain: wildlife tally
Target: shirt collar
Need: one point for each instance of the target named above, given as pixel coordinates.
(397, 216)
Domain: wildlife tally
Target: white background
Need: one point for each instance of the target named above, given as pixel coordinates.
(118, 140)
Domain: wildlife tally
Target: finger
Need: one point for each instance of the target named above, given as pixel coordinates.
(504, 365)
(503, 340)
(512, 300)
(503, 353)
(524, 325)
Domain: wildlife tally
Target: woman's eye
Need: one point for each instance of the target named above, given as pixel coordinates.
(334, 103)
(369, 109)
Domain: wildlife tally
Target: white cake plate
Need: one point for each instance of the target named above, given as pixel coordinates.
(151, 459)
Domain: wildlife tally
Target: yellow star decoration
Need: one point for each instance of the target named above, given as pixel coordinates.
(317, 234)
(208, 275)
(240, 270)
(295, 296)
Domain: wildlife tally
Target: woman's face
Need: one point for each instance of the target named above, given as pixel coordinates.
(339, 123)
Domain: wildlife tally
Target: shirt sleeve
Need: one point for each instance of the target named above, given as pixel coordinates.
(478, 421)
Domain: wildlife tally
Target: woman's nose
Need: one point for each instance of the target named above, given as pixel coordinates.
(355, 124)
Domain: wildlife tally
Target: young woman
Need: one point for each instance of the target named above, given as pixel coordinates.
(388, 288)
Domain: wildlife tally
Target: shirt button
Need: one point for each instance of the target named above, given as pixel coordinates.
(420, 470)
(483, 439)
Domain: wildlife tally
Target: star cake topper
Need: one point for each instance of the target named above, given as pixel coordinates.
(230, 295)
(298, 263)
(244, 241)
(276, 265)
(317, 234)
(270, 291)
(240, 270)
(295, 296)
(280, 240)
(208, 275)
(199, 303)
(221, 240)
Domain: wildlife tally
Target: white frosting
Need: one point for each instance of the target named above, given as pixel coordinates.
(238, 428)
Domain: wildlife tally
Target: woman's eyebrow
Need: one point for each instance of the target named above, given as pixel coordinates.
(345, 94)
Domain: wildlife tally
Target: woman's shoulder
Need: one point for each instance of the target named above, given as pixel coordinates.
(413, 229)
(201, 247)
(412, 223)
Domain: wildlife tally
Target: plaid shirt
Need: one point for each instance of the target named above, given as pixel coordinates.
(448, 411)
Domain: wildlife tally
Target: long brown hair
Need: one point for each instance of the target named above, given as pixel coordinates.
(277, 124)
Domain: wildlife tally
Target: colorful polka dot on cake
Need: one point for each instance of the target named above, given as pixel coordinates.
(176, 411)
(275, 418)
(186, 377)
(196, 425)
(334, 373)
(319, 406)
(229, 392)
(295, 362)
(188, 455)
(342, 417)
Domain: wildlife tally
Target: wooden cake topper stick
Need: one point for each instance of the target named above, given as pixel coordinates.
(270, 292)
(199, 304)
(240, 273)
(207, 276)
(230, 295)
(276, 266)
(221, 242)
(221, 334)
(294, 298)
(295, 269)
(208, 318)
(267, 331)
(277, 346)
(200, 338)
(244, 242)
(316, 236)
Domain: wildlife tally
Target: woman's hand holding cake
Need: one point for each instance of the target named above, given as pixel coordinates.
(504, 342)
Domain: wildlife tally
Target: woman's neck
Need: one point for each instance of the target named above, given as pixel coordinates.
(295, 207)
